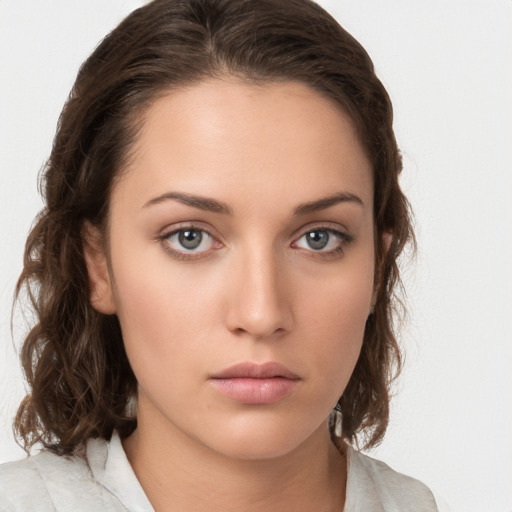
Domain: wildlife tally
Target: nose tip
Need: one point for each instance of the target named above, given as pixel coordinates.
(260, 306)
(258, 328)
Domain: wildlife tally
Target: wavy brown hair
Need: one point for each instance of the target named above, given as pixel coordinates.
(73, 357)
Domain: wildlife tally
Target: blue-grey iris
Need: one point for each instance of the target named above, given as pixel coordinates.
(190, 239)
(317, 239)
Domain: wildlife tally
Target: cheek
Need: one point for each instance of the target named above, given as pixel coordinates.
(340, 327)
(335, 316)
(166, 318)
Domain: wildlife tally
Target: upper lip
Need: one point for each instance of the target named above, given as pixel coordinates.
(250, 370)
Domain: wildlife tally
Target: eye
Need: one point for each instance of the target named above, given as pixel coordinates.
(188, 240)
(322, 240)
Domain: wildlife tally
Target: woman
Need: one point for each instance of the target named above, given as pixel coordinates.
(213, 272)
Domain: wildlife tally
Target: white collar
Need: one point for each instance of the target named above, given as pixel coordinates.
(111, 468)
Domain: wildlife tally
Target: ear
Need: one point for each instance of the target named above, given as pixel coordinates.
(387, 237)
(102, 298)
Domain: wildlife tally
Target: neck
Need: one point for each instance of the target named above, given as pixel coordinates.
(178, 473)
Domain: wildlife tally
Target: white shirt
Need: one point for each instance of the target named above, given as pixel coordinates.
(104, 481)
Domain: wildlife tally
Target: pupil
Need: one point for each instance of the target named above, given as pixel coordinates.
(317, 239)
(190, 239)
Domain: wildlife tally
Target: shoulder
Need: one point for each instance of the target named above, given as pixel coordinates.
(16, 479)
(49, 482)
(383, 488)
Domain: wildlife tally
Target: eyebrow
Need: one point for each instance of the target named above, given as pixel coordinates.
(215, 206)
(327, 202)
(202, 203)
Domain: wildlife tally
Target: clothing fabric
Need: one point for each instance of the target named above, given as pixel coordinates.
(104, 481)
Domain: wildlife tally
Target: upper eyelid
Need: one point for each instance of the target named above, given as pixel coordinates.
(333, 227)
(183, 226)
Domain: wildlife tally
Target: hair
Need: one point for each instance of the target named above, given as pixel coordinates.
(73, 357)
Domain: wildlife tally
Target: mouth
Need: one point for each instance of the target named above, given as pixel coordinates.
(256, 384)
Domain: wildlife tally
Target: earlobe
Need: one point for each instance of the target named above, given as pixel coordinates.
(387, 236)
(100, 285)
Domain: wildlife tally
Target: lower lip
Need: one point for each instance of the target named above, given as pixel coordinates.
(255, 391)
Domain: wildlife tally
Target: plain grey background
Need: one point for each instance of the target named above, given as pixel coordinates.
(447, 66)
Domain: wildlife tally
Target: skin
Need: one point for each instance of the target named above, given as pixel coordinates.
(254, 291)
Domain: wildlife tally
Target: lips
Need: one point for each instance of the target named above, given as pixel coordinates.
(251, 383)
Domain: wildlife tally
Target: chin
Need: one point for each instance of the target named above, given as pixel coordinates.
(260, 448)
(262, 440)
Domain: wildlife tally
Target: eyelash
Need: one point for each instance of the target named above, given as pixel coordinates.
(343, 237)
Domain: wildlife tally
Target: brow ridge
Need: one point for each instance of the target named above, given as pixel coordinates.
(327, 202)
(215, 206)
(202, 203)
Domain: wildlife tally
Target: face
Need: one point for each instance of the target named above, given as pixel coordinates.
(241, 264)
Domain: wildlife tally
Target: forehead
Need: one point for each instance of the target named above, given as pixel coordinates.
(227, 137)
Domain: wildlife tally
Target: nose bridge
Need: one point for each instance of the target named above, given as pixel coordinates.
(259, 304)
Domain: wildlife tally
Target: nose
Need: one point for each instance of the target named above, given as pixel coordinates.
(260, 303)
